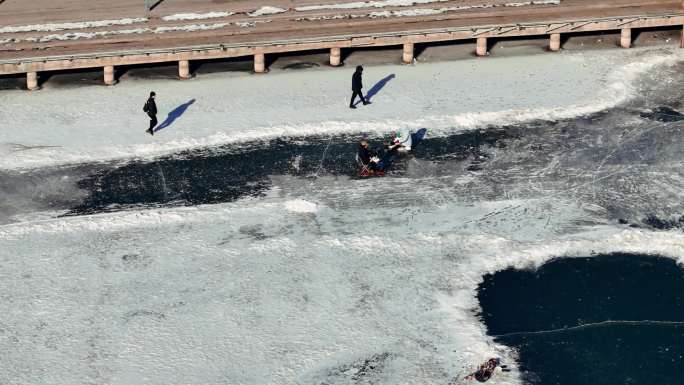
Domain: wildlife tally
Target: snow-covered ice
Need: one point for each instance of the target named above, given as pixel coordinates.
(447, 97)
(327, 279)
(301, 206)
(249, 293)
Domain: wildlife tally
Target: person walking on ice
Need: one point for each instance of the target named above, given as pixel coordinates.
(357, 85)
(150, 108)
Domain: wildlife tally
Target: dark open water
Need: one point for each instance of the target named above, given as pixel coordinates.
(614, 320)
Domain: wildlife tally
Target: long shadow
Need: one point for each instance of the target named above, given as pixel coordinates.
(175, 114)
(377, 87)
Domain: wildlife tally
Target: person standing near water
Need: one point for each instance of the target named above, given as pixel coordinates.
(150, 108)
(357, 85)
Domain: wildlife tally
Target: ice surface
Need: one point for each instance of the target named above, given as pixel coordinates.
(445, 97)
(252, 293)
(301, 206)
(327, 279)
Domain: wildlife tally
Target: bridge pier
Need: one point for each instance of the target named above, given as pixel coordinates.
(184, 69)
(555, 42)
(481, 48)
(407, 56)
(335, 56)
(259, 63)
(109, 76)
(626, 38)
(32, 81)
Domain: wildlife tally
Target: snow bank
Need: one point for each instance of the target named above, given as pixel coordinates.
(410, 3)
(267, 10)
(196, 16)
(425, 11)
(137, 31)
(74, 25)
(263, 11)
(367, 4)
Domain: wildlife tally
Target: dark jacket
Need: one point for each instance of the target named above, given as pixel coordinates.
(356, 81)
(151, 107)
(364, 154)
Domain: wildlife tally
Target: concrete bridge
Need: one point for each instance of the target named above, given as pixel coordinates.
(278, 28)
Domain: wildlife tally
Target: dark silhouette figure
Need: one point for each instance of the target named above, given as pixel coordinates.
(378, 86)
(175, 114)
(155, 5)
(364, 153)
(357, 85)
(150, 108)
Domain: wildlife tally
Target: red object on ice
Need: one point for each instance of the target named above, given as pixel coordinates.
(366, 172)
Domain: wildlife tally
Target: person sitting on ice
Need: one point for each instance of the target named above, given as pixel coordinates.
(391, 147)
(396, 140)
(364, 153)
(368, 157)
(373, 160)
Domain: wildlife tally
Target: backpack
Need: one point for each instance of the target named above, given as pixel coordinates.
(146, 107)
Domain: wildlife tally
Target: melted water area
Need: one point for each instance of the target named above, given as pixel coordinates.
(616, 319)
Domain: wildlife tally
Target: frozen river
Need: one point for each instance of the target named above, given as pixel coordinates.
(236, 246)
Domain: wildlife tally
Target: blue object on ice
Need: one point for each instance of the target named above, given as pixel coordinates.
(418, 136)
(174, 114)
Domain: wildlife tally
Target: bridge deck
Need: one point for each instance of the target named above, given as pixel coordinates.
(34, 38)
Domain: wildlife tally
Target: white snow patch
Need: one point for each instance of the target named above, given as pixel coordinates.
(367, 4)
(301, 206)
(426, 11)
(197, 16)
(263, 11)
(98, 34)
(190, 28)
(74, 25)
(266, 10)
(410, 3)
(251, 24)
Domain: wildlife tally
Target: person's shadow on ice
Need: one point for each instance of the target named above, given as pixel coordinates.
(174, 114)
(377, 87)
